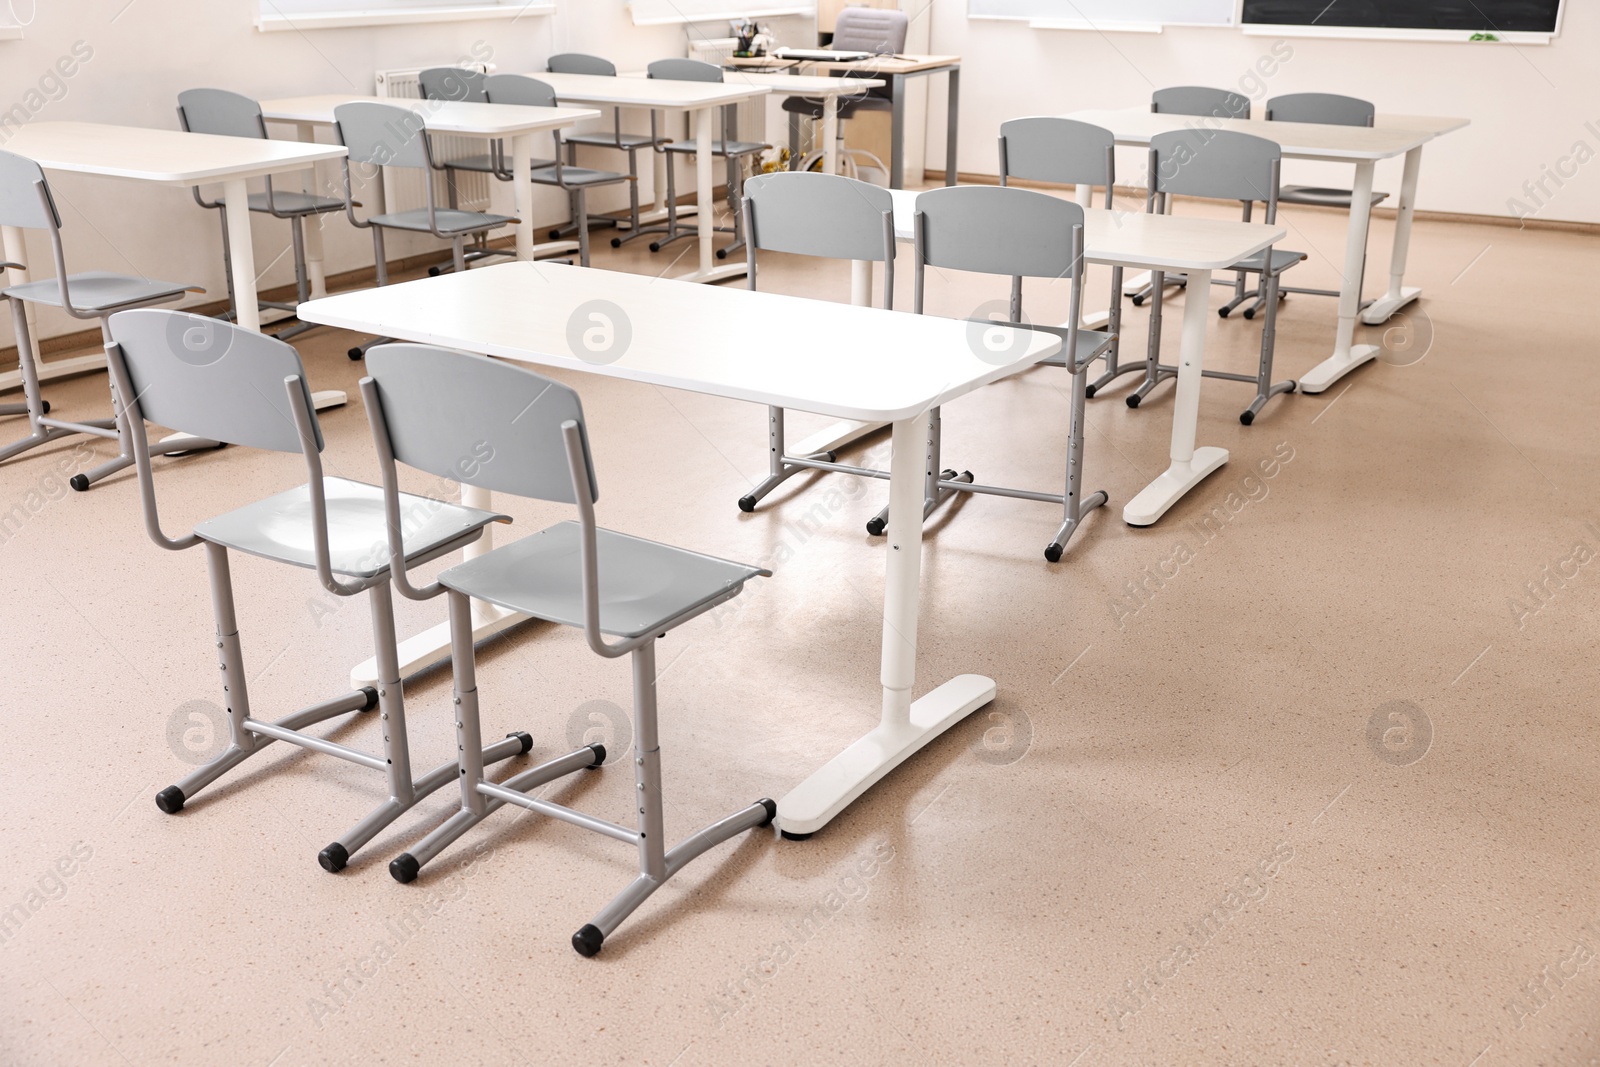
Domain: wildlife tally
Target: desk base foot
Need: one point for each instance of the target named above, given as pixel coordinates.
(1382, 309)
(715, 274)
(433, 645)
(324, 399)
(810, 805)
(1096, 320)
(1156, 498)
(1324, 374)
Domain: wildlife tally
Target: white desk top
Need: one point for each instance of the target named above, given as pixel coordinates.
(796, 84)
(1300, 140)
(832, 359)
(646, 92)
(1145, 242)
(169, 156)
(441, 116)
(1437, 125)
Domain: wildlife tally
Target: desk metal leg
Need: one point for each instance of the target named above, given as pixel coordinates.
(1380, 310)
(897, 131)
(1190, 464)
(1347, 355)
(951, 121)
(906, 725)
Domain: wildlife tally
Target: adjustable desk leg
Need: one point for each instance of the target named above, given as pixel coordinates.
(1347, 355)
(1398, 296)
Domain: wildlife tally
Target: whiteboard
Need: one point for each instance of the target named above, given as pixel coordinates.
(666, 12)
(1170, 12)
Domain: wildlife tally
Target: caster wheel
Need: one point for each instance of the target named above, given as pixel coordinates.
(787, 836)
(599, 756)
(772, 811)
(45, 406)
(1133, 401)
(747, 504)
(1138, 301)
(527, 743)
(80, 482)
(1247, 418)
(655, 246)
(170, 800)
(876, 526)
(404, 868)
(1222, 313)
(333, 858)
(588, 940)
(433, 272)
(616, 242)
(1250, 313)
(1052, 552)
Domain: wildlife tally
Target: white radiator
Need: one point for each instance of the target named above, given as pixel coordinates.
(751, 115)
(403, 189)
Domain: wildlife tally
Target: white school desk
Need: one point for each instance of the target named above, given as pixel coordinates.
(892, 368)
(1361, 146)
(165, 157)
(898, 70)
(1160, 242)
(701, 100)
(513, 122)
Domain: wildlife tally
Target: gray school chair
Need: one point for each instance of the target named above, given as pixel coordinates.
(825, 215)
(230, 384)
(466, 86)
(26, 203)
(1017, 233)
(1229, 166)
(857, 29)
(383, 135)
(1200, 101)
(575, 181)
(734, 152)
(1068, 152)
(227, 114)
(430, 407)
(616, 140)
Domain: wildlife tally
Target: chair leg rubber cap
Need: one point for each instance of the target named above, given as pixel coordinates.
(44, 406)
(1088, 392)
(1052, 552)
(876, 526)
(405, 868)
(170, 800)
(372, 698)
(525, 738)
(355, 355)
(599, 756)
(747, 504)
(1247, 418)
(80, 482)
(1133, 401)
(772, 811)
(333, 858)
(587, 941)
(787, 836)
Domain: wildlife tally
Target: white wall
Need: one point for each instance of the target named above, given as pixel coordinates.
(1528, 105)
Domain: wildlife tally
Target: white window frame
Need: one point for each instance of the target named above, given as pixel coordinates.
(299, 15)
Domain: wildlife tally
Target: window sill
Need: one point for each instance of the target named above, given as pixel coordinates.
(10, 33)
(330, 20)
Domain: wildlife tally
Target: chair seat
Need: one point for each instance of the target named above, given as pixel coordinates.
(720, 148)
(450, 220)
(1282, 260)
(572, 177)
(812, 107)
(643, 585)
(279, 527)
(1091, 343)
(295, 203)
(484, 164)
(609, 140)
(1310, 194)
(96, 291)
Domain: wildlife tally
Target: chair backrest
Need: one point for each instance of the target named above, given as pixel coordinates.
(209, 378)
(867, 29)
(995, 230)
(475, 420)
(684, 70)
(813, 214)
(1200, 100)
(581, 63)
(1328, 108)
(518, 89)
(1215, 164)
(1049, 149)
(25, 200)
(220, 112)
(452, 83)
(382, 134)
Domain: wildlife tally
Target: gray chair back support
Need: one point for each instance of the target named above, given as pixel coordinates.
(1064, 151)
(220, 112)
(811, 214)
(25, 200)
(205, 377)
(479, 421)
(866, 29)
(580, 63)
(382, 134)
(993, 230)
(1220, 165)
(452, 83)
(684, 70)
(1200, 100)
(518, 89)
(1327, 108)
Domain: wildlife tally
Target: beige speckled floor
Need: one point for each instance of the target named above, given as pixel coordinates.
(1177, 837)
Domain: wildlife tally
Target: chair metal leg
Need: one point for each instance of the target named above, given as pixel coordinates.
(779, 469)
(939, 484)
(381, 269)
(1075, 505)
(1265, 388)
(1114, 369)
(1154, 373)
